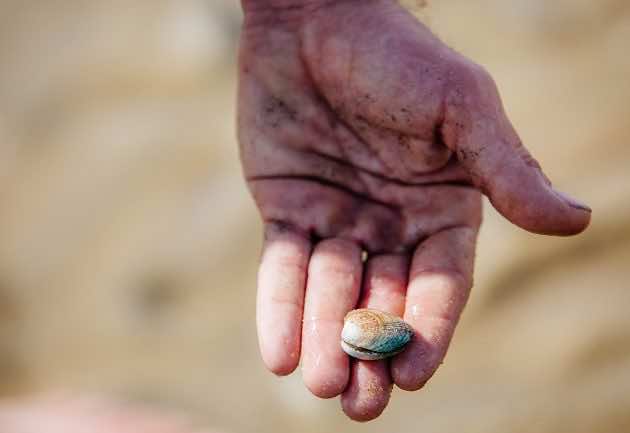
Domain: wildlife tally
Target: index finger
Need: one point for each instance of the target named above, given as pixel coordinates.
(439, 285)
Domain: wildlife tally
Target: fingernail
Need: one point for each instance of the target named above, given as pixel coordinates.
(574, 203)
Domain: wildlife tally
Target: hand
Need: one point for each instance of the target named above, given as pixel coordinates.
(361, 132)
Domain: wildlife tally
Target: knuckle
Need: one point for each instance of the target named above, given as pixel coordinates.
(474, 80)
(338, 245)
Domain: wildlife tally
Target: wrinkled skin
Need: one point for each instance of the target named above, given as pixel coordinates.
(361, 132)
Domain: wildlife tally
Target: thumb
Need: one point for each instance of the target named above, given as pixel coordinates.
(477, 129)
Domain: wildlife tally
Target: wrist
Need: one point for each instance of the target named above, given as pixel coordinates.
(286, 14)
(279, 5)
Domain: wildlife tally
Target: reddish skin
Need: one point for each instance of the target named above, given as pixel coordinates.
(66, 414)
(360, 130)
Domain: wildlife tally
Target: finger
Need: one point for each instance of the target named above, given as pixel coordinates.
(370, 384)
(332, 289)
(368, 391)
(477, 128)
(280, 300)
(386, 283)
(439, 284)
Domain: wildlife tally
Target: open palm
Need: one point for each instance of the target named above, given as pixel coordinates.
(361, 132)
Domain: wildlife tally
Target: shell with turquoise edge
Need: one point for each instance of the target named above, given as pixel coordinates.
(372, 334)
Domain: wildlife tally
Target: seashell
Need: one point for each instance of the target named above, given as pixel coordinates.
(371, 334)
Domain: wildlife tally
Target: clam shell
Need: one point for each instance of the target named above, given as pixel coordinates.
(371, 334)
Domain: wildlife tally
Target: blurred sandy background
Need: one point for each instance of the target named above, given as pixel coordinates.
(128, 243)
